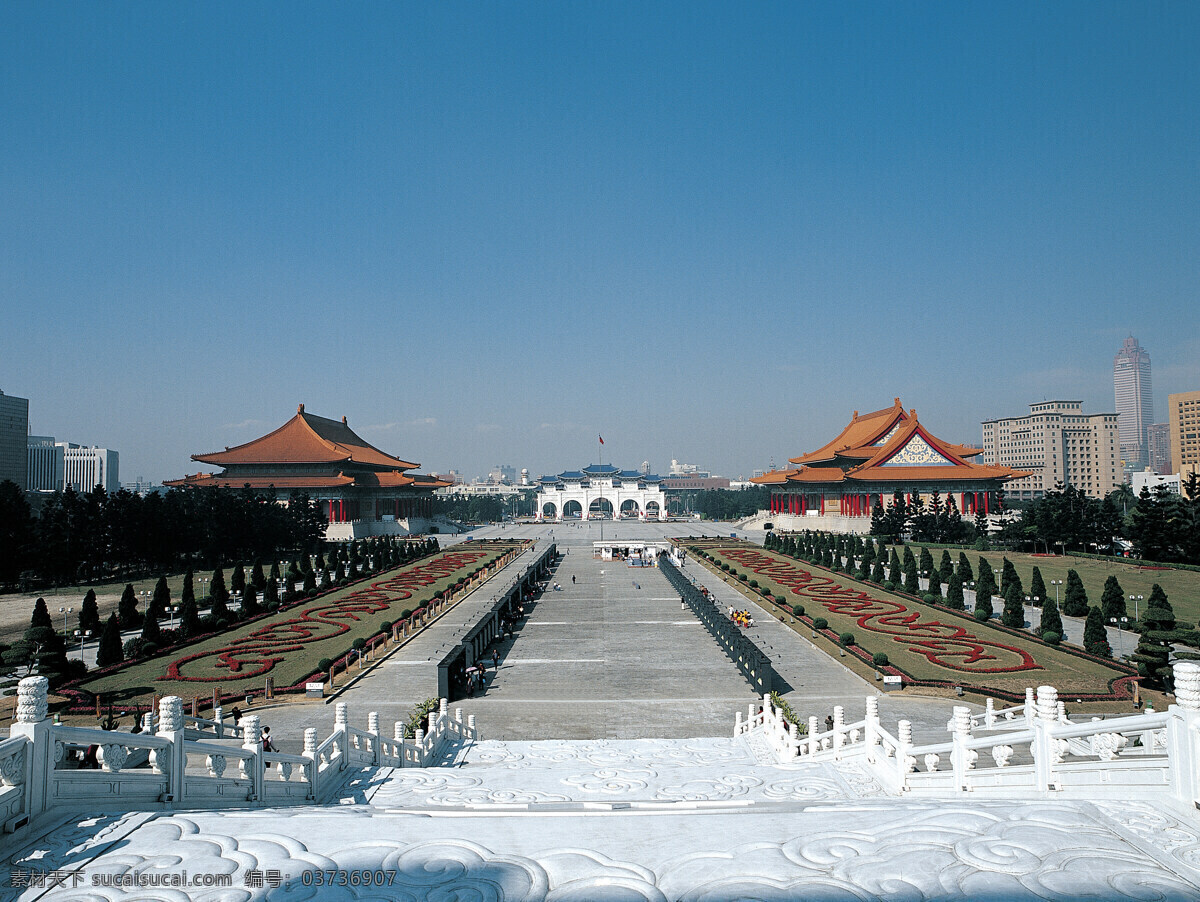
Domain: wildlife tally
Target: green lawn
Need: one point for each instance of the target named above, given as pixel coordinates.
(1182, 586)
(290, 643)
(878, 625)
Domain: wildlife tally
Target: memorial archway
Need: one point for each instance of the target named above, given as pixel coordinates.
(572, 509)
(653, 511)
(630, 510)
(549, 511)
(600, 509)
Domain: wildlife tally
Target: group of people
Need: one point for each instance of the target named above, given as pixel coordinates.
(741, 618)
(476, 675)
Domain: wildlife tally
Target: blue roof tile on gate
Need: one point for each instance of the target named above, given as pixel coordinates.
(595, 469)
(571, 474)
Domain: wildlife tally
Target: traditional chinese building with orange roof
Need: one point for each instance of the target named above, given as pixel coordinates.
(878, 456)
(362, 490)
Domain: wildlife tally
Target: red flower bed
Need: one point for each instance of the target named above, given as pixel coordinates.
(258, 653)
(944, 644)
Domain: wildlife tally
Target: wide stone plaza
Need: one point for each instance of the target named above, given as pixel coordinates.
(607, 768)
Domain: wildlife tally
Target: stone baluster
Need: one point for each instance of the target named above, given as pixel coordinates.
(148, 723)
(1062, 711)
(341, 725)
(871, 728)
(1030, 706)
(1045, 752)
(962, 758)
(471, 726)
(219, 722)
(32, 724)
(172, 760)
(989, 714)
(750, 716)
(1183, 743)
(252, 768)
(373, 729)
(813, 744)
(905, 762)
(737, 724)
(839, 736)
(313, 766)
(793, 740)
(419, 746)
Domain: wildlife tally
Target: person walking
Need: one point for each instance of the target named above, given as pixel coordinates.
(267, 744)
(495, 659)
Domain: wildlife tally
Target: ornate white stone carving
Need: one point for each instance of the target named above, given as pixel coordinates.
(1001, 755)
(1108, 745)
(31, 699)
(12, 768)
(340, 716)
(931, 762)
(215, 765)
(1046, 705)
(1187, 684)
(113, 756)
(170, 714)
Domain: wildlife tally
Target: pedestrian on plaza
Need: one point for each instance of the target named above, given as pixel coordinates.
(572, 579)
(267, 744)
(829, 723)
(495, 659)
(236, 714)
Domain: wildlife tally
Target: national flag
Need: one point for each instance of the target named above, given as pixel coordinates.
(601, 439)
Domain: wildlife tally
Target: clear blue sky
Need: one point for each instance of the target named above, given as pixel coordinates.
(488, 232)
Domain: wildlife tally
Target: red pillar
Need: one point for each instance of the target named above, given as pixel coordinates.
(822, 504)
(987, 496)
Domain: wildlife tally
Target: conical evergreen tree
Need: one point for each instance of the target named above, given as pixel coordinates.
(271, 594)
(895, 574)
(1014, 608)
(911, 585)
(127, 611)
(935, 583)
(965, 573)
(150, 630)
(160, 601)
(1112, 600)
(945, 566)
(310, 581)
(41, 615)
(1051, 622)
(1095, 637)
(877, 574)
(218, 596)
(109, 651)
(237, 582)
(1006, 572)
(89, 614)
(1152, 656)
(1158, 614)
(250, 606)
(275, 575)
(1075, 601)
(925, 564)
(1037, 588)
(954, 593)
(257, 578)
(984, 590)
(189, 615)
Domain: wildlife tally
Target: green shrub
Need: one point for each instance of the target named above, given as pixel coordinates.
(779, 599)
(798, 610)
(981, 615)
(405, 613)
(324, 664)
(358, 644)
(385, 626)
(753, 584)
(889, 586)
(1051, 638)
(879, 659)
(846, 639)
(820, 624)
(930, 599)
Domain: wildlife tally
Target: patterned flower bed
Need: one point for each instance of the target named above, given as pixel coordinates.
(288, 644)
(924, 643)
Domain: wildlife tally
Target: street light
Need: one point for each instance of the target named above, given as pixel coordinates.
(1056, 583)
(65, 612)
(82, 636)
(1119, 621)
(174, 609)
(1136, 599)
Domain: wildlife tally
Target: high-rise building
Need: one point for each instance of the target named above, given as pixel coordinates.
(1060, 444)
(45, 464)
(1159, 439)
(1183, 412)
(14, 427)
(1135, 402)
(86, 468)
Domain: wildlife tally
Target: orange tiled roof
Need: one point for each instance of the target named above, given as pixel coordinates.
(307, 438)
(262, 482)
(859, 435)
(773, 477)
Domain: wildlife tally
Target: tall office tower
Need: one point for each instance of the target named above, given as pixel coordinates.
(14, 428)
(1159, 436)
(1058, 444)
(86, 468)
(45, 473)
(1183, 411)
(1135, 402)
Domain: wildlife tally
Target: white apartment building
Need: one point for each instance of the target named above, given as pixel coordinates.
(1059, 443)
(44, 464)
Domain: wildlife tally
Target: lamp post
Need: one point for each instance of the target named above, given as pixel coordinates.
(1056, 583)
(82, 636)
(1136, 599)
(1120, 622)
(65, 612)
(174, 609)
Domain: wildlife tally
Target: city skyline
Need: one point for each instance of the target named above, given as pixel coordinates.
(490, 235)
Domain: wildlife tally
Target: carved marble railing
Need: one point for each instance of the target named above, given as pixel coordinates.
(1035, 750)
(184, 762)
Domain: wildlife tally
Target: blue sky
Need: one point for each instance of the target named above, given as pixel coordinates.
(488, 232)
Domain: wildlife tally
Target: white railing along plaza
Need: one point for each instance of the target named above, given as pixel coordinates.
(1029, 748)
(187, 762)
